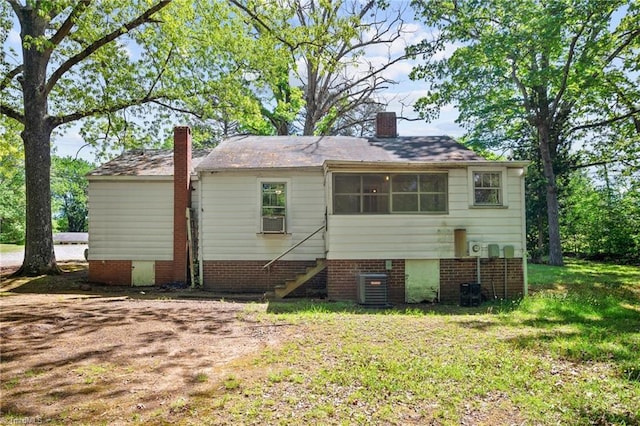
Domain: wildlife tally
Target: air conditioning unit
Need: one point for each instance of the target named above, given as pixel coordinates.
(273, 224)
(475, 248)
(372, 289)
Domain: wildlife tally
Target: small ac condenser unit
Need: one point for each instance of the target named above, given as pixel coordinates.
(273, 224)
(372, 289)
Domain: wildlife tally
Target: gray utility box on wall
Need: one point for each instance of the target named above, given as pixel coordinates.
(372, 289)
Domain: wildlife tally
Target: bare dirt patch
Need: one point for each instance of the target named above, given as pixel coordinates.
(113, 357)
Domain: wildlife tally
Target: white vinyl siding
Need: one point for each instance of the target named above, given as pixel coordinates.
(231, 215)
(130, 220)
(416, 236)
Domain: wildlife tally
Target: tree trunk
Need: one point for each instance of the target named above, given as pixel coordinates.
(553, 210)
(541, 239)
(282, 128)
(39, 256)
(311, 101)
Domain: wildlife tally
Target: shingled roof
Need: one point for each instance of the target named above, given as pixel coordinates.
(145, 162)
(260, 152)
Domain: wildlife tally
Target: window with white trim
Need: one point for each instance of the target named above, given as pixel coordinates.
(273, 207)
(488, 188)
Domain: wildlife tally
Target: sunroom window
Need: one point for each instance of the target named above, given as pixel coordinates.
(376, 193)
(361, 193)
(423, 193)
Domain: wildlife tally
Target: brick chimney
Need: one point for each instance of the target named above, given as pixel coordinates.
(181, 199)
(386, 126)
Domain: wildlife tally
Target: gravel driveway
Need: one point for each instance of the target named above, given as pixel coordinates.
(64, 252)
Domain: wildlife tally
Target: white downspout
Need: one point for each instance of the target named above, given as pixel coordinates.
(200, 239)
(523, 215)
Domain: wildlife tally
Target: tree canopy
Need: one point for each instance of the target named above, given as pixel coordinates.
(330, 59)
(550, 75)
(69, 187)
(101, 62)
(12, 194)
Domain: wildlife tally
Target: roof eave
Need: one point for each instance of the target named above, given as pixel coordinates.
(130, 177)
(400, 165)
(258, 169)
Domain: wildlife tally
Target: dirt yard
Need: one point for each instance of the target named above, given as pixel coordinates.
(127, 351)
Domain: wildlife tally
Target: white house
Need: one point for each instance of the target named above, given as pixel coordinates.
(303, 215)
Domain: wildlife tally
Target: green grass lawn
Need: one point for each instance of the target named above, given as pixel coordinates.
(568, 354)
(10, 248)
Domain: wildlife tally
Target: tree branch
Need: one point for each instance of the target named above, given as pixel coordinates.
(177, 109)
(261, 23)
(57, 121)
(11, 113)
(10, 75)
(66, 27)
(605, 122)
(614, 54)
(523, 89)
(162, 70)
(17, 7)
(67, 65)
(567, 65)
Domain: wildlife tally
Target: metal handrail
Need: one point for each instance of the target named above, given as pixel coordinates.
(293, 247)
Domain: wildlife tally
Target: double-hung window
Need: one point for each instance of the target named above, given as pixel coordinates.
(488, 188)
(273, 207)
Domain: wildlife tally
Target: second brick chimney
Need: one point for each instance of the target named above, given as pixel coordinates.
(386, 126)
(181, 199)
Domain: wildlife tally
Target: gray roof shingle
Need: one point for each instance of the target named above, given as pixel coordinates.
(145, 162)
(264, 152)
(248, 152)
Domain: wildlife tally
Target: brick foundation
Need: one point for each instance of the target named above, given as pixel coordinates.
(342, 276)
(164, 272)
(247, 276)
(114, 272)
(118, 272)
(454, 272)
(339, 280)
